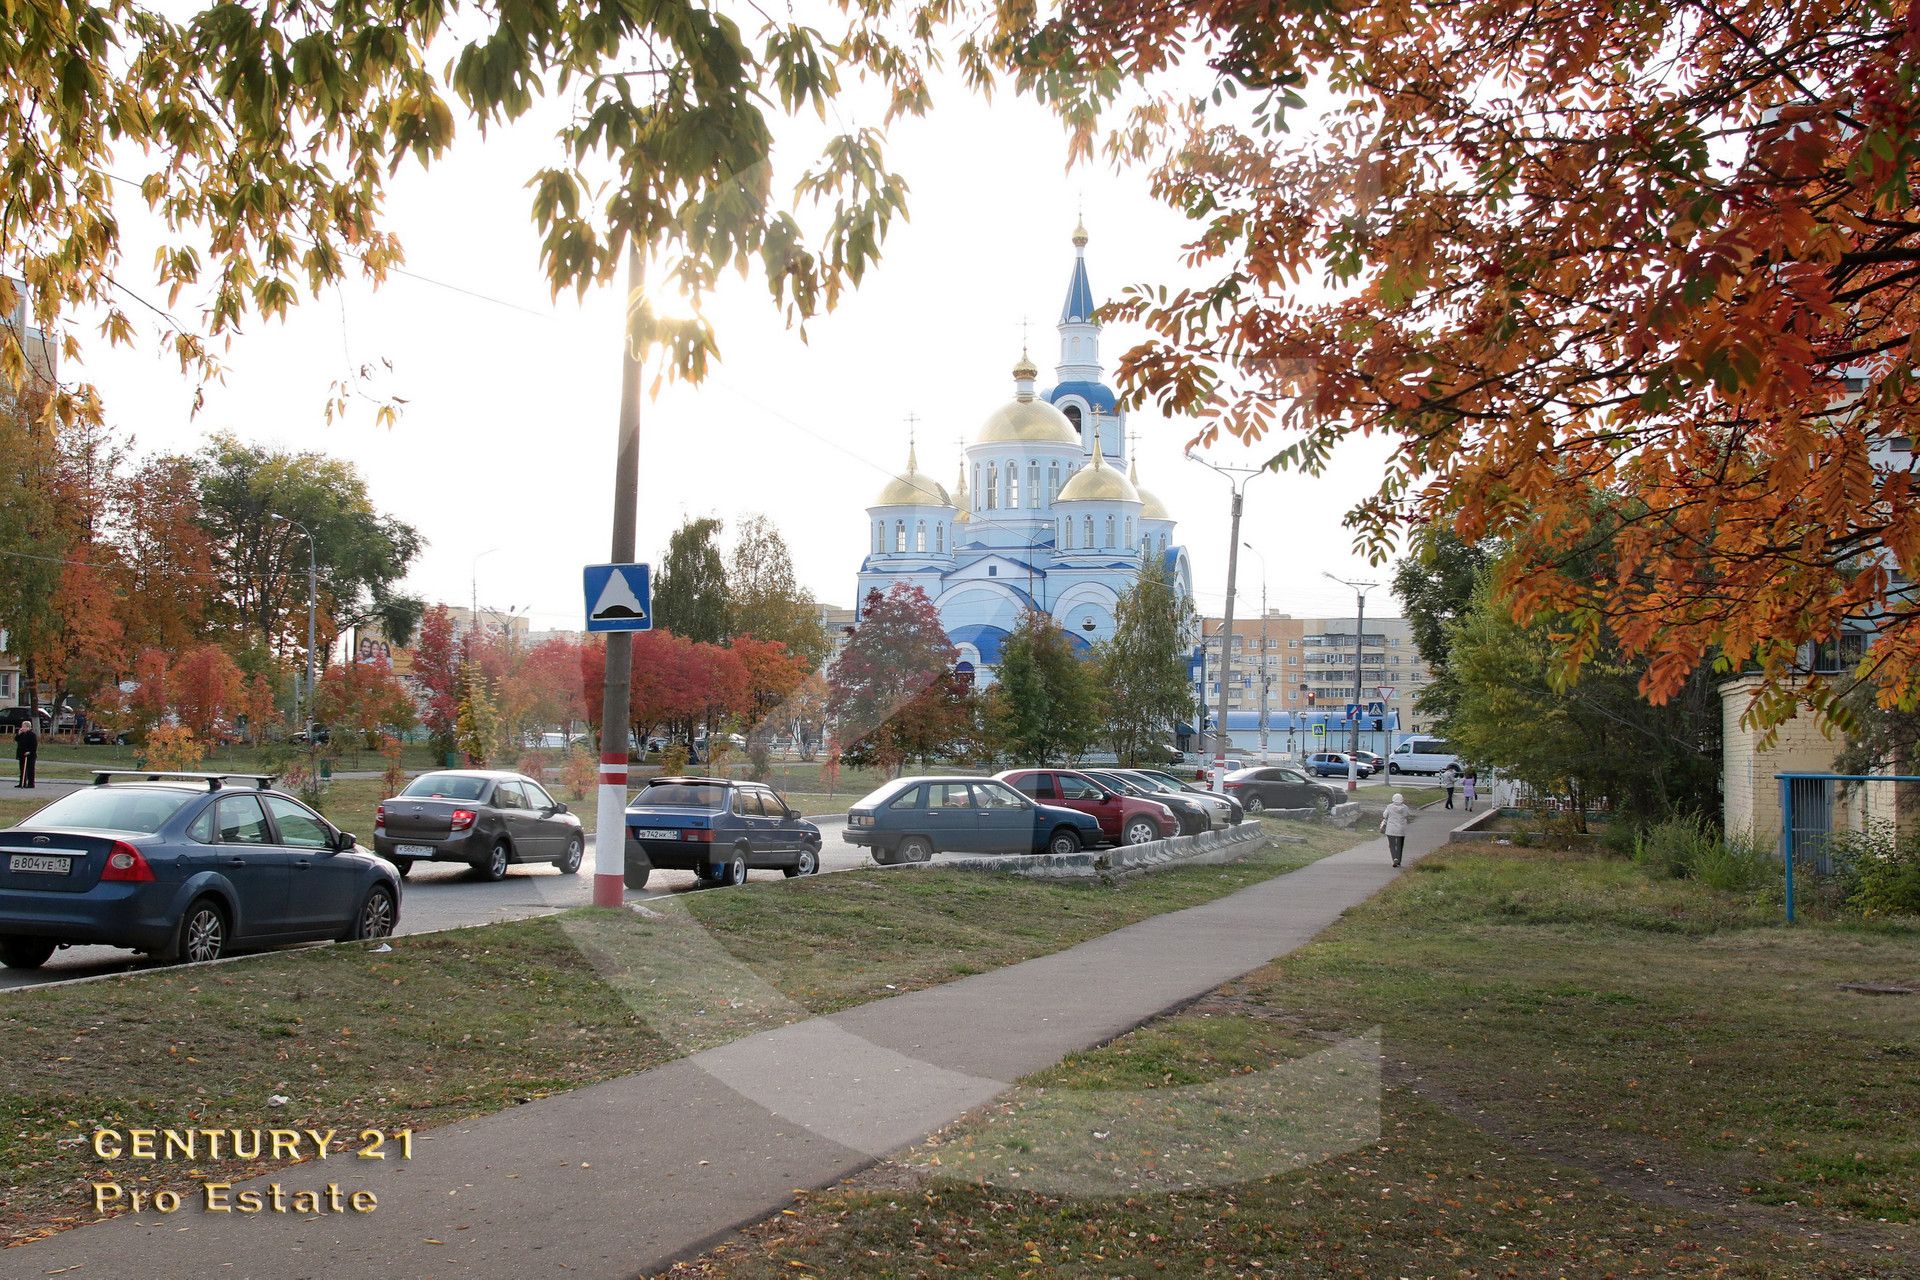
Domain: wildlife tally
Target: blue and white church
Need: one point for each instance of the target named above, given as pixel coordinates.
(1047, 512)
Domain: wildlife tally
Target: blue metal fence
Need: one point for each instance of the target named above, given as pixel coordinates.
(1806, 821)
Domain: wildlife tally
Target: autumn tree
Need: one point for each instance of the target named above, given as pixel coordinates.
(765, 599)
(151, 697)
(204, 684)
(366, 698)
(166, 577)
(890, 697)
(436, 669)
(1674, 259)
(1143, 677)
(690, 590)
(1048, 702)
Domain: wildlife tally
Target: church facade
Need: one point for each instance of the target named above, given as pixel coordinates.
(1046, 513)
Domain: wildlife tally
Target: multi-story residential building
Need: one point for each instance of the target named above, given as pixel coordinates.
(1307, 665)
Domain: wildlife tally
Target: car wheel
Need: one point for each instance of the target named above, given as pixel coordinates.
(203, 933)
(1392, 768)
(26, 953)
(806, 864)
(636, 877)
(735, 872)
(1323, 805)
(495, 867)
(402, 867)
(914, 849)
(1064, 840)
(1254, 804)
(576, 850)
(1139, 831)
(377, 915)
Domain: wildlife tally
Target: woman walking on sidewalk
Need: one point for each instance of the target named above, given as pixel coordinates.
(1470, 788)
(1451, 777)
(1393, 824)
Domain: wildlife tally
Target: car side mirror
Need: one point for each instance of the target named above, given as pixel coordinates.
(554, 808)
(344, 842)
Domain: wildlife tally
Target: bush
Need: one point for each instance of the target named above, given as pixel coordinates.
(534, 765)
(759, 758)
(578, 773)
(1619, 838)
(1886, 882)
(1674, 847)
(1733, 864)
(393, 777)
(172, 748)
(674, 759)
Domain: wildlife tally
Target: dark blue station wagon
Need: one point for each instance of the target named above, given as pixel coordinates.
(909, 819)
(717, 828)
(183, 866)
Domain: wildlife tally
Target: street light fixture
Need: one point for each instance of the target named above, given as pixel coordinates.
(313, 592)
(1360, 590)
(1237, 478)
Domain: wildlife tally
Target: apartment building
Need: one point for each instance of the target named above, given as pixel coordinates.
(1307, 664)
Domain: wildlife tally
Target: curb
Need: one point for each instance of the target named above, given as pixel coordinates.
(1121, 862)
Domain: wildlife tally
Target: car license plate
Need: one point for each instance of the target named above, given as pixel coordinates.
(654, 833)
(38, 862)
(414, 850)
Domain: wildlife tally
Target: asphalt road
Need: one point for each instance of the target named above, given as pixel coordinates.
(449, 897)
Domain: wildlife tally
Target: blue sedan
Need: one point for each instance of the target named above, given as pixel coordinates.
(909, 819)
(184, 866)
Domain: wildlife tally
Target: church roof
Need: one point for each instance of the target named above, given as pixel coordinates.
(1151, 508)
(911, 489)
(1099, 482)
(1079, 304)
(1097, 395)
(1027, 422)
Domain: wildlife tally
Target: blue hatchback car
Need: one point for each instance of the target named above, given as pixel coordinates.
(184, 866)
(909, 819)
(717, 828)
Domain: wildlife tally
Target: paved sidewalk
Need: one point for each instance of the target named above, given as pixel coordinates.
(618, 1179)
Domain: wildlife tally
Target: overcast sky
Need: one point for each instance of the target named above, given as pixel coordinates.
(507, 436)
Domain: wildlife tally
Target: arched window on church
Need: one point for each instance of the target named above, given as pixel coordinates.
(1066, 534)
(1087, 530)
(1033, 484)
(977, 490)
(920, 537)
(1109, 533)
(1013, 485)
(876, 537)
(1163, 544)
(1129, 538)
(1073, 416)
(1053, 482)
(993, 486)
(899, 535)
(940, 538)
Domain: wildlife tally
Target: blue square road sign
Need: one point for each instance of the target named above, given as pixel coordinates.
(619, 597)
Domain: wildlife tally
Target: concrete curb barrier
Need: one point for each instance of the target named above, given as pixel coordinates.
(1470, 830)
(1207, 848)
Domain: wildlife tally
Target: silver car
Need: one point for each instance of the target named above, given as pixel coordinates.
(486, 818)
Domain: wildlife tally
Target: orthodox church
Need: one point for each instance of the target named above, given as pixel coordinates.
(1047, 511)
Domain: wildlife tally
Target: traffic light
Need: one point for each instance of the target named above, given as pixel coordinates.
(1309, 697)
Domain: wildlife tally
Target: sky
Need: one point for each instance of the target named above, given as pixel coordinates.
(502, 456)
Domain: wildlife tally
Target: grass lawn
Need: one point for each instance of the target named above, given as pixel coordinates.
(457, 1024)
(1586, 1073)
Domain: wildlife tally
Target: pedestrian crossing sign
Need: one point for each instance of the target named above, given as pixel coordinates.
(619, 597)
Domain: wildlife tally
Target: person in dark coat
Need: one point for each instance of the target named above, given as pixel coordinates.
(26, 749)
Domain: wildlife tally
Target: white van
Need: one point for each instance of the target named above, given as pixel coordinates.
(1421, 755)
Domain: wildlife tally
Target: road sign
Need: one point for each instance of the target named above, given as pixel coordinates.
(619, 597)
(1353, 711)
(1319, 728)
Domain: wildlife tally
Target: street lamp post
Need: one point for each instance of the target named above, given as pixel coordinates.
(1237, 478)
(1360, 590)
(473, 600)
(1266, 677)
(313, 594)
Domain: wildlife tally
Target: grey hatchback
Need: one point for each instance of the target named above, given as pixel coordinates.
(183, 867)
(486, 818)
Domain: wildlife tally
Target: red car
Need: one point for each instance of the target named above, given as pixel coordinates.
(1123, 819)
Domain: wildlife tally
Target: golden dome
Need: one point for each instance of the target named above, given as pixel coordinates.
(1099, 482)
(1151, 508)
(1027, 422)
(911, 489)
(1080, 235)
(1026, 370)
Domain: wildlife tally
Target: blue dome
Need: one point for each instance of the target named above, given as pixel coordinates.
(1096, 394)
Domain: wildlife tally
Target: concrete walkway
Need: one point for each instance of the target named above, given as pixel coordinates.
(620, 1178)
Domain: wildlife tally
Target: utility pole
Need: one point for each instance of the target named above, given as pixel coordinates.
(610, 840)
(1237, 477)
(1360, 590)
(1266, 676)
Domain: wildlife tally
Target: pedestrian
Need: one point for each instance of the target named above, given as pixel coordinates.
(1393, 824)
(26, 749)
(1470, 788)
(1451, 776)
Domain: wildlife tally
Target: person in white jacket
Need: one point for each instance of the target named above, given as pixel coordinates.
(1393, 824)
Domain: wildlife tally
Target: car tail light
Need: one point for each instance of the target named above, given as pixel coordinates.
(379, 815)
(462, 819)
(698, 835)
(125, 863)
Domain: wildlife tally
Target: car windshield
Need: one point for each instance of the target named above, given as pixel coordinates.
(682, 795)
(143, 810)
(447, 786)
